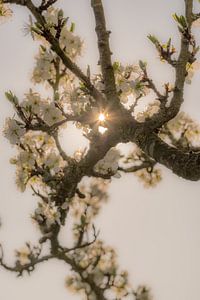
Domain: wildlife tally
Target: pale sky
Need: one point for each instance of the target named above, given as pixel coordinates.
(156, 232)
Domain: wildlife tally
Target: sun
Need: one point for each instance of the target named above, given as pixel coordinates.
(101, 117)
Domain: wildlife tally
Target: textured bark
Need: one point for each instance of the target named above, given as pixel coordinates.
(124, 127)
(104, 51)
(186, 165)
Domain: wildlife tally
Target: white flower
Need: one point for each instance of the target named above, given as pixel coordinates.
(44, 68)
(51, 114)
(107, 261)
(23, 255)
(48, 212)
(128, 81)
(22, 177)
(26, 159)
(5, 11)
(149, 179)
(32, 102)
(124, 87)
(65, 205)
(51, 16)
(13, 131)
(99, 85)
(120, 280)
(53, 162)
(70, 43)
(191, 68)
(109, 163)
(78, 101)
(151, 109)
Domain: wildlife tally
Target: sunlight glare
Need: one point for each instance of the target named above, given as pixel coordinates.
(102, 129)
(102, 117)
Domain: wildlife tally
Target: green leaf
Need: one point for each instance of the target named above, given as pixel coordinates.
(180, 20)
(153, 39)
(12, 98)
(60, 14)
(142, 64)
(116, 65)
(72, 28)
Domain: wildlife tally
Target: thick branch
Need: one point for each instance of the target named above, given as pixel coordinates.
(104, 51)
(124, 128)
(186, 165)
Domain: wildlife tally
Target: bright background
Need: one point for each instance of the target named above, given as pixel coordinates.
(156, 232)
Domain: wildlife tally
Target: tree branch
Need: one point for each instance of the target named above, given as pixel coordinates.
(18, 268)
(166, 114)
(57, 49)
(183, 58)
(99, 292)
(104, 51)
(186, 165)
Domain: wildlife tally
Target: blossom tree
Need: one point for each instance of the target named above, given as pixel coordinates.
(109, 110)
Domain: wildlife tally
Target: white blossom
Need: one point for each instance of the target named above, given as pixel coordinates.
(128, 81)
(32, 102)
(44, 69)
(191, 68)
(26, 159)
(109, 163)
(51, 16)
(152, 108)
(70, 43)
(50, 113)
(23, 255)
(5, 12)
(53, 162)
(13, 131)
(22, 177)
(47, 212)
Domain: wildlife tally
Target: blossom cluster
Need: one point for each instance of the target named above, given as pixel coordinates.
(150, 178)
(44, 109)
(44, 68)
(185, 130)
(38, 151)
(84, 209)
(191, 68)
(5, 11)
(34, 109)
(13, 131)
(46, 215)
(78, 101)
(69, 42)
(27, 254)
(109, 164)
(151, 109)
(129, 81)
(99, 263)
